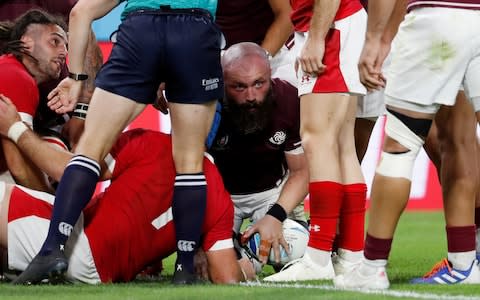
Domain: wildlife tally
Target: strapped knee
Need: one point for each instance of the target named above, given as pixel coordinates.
(408, 132)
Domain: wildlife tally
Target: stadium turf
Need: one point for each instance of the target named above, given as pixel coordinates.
(419, 244)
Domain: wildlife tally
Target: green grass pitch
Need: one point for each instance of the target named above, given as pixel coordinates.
(419, 243)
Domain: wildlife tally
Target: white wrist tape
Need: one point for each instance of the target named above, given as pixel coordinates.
(80, 111)
(16, 130)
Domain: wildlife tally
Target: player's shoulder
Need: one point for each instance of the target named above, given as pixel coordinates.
(287, 102)
(11, 66)
(285, 93)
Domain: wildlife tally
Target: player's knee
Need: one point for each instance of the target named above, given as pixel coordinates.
(408, 132)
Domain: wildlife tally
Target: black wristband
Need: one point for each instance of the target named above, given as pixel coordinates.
(81, 106)
(78, 115)
(277, 212)
(77, 77)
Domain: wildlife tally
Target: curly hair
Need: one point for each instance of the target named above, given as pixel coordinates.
(12, 32)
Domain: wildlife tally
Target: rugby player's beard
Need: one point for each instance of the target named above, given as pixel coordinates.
(249, 121)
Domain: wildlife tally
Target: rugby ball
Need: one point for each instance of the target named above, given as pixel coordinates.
(297, 239)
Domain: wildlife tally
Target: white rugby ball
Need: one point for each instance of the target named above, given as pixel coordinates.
(296, 237)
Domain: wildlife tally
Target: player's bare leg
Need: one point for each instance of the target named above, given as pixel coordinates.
(350, 240)
(322, 119)
(456, 152)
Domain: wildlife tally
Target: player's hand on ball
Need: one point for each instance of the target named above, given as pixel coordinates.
(271, 234)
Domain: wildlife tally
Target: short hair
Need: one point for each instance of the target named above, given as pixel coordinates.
(12, 32)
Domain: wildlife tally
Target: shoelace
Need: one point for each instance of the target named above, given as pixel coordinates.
(440, 265)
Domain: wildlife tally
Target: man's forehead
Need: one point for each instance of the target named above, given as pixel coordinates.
(58, 31)
(49, 29)
(247, 76)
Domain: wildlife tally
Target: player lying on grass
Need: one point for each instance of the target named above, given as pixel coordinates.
(124, 229)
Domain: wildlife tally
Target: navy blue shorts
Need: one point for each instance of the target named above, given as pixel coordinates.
(178, 47)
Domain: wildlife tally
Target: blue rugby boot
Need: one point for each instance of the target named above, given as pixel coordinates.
(444, 273)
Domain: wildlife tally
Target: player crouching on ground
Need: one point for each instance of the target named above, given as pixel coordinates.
(124, 229)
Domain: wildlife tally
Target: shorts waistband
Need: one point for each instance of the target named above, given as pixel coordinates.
(168, 10)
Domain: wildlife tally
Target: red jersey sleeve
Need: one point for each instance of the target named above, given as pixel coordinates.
(218, 223)
(17, 84)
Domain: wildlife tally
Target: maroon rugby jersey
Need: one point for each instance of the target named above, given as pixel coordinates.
(244, 20)
(465, 4)
(10, 9)
(302, 11)
(255, 162)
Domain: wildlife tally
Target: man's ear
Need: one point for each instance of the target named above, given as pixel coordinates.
(28, 42)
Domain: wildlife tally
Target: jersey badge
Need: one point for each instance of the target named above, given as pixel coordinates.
(278, 138)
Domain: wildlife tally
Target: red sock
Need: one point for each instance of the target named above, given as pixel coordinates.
(352, 217)
(325, 202)
(461, 238)
(376, 248)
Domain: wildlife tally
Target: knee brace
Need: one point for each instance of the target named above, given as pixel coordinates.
(401, 164)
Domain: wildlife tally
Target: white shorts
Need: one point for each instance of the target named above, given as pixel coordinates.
(343, 47)
(435, 50)
(7, 177)
(27, 234)
(255, 206)
(283, 65)
(371, 106)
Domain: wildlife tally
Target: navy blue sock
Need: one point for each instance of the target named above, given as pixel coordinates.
(188, 207)
(74, 191)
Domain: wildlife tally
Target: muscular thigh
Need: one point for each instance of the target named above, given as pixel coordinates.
(190, 126)
(323, 112)
(457, 124)
(108, 115)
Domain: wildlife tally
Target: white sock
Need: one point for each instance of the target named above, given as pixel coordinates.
(461, 260)
(320, 257)
(370, 266)
(350, 256)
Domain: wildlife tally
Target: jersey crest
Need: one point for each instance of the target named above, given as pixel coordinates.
(278, 138)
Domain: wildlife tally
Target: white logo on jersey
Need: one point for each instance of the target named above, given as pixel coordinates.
(179, 267)
(62, 247)
(186, 246)
(65, 228)
(315, 228)
(210, 84)
(278, 138)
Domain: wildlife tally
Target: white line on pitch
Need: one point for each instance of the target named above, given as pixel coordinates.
(392, 293)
